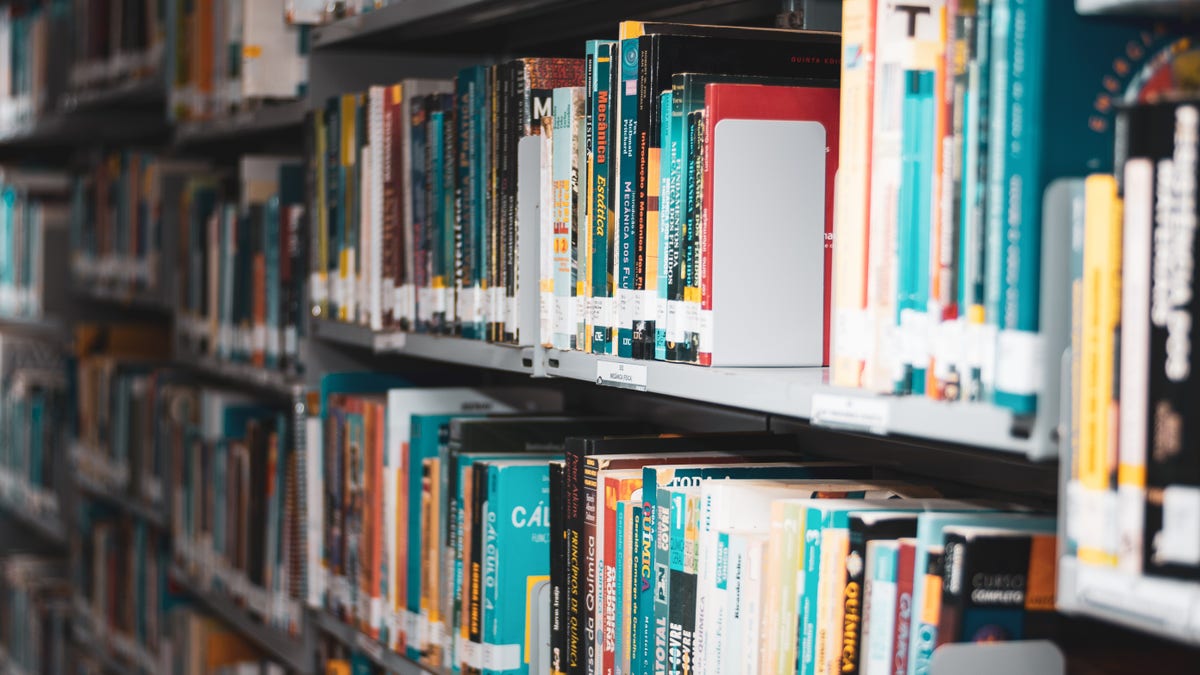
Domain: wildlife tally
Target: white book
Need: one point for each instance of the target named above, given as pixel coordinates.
(374, 188)
(272, 63)
(737, 632)
(314, 511)
(546, 241)
(879, 607)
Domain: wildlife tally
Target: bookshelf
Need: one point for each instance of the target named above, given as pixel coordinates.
(270, 118)
(296, 654)
(942, 440)
(353, 640)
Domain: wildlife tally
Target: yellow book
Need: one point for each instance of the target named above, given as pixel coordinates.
(1094, 465)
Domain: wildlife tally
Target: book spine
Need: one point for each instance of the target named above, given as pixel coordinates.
(682, 597)
(649, 162)
(851, 325)
(465, 206)
(809, 600)
(1094, 465)
(692, 184)
(1172, 464)
(1019, 215)
(581, 239)
(480, 195)
(1134, 351)
(879, 608)
(663, 575)
(602, 115)
(626, 171)
(558, 567)
(474, 618)
(904, 619)
(451, 233)
(630, 598)
(976, 123)
(563, 146)
(667, 232)
(592, 588)
(613, 606)
(390, 222)
(926, 624)
(950, 614)
(643, 605)
(913, 233)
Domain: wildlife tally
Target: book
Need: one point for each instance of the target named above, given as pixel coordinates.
(879, 606)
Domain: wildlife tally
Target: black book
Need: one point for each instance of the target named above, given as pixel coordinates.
(667, 49)
(1166, 132)
(865, 527)
(558, 566)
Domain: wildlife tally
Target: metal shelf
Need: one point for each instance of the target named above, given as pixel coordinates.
(294, 653)
(42, 325)
(1174, 7)
(1163, 607)
(486, 26)
(264, 119)
(381, 656)
(110, 296)
(47, 522)
(154, 515)
(130, 92)
(805, 393)
(263, 379)
(448, 349)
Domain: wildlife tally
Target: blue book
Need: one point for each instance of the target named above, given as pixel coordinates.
(668, 226)
(516, 559)
(271, 246)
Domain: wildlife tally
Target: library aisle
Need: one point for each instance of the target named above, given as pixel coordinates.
(599, 337)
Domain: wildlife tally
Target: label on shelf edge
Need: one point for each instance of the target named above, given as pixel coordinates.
(622, 375)
(850, 412)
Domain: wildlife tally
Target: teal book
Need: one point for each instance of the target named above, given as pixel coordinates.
(930, 529)
(471, 88)
(1053, 116)
(622, 571)
(668, 228)
(271, 246)
(913, 224)
(602, 113)
(568, 113)
(626, 181)
(334, 197)
(437, 216)
(448, 242)
(516, 559)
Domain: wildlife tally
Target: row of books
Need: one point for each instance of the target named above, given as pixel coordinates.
(241, 278)
(34, 66)
(112, 40)
(418, 208)
(33, 215)
(120, 580)
(315, 12)
(35, 614)
(522, 543)
(115, 414)
(956, 119)
(121, 214)
(33, 414)
(237, 512)
(224, 56)
(1133, 268)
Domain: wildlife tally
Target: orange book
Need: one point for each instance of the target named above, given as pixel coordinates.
(431, 581)
(375, 488)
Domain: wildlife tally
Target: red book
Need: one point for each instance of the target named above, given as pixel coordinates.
(729, 101)
(617, 488)
(904, 594)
